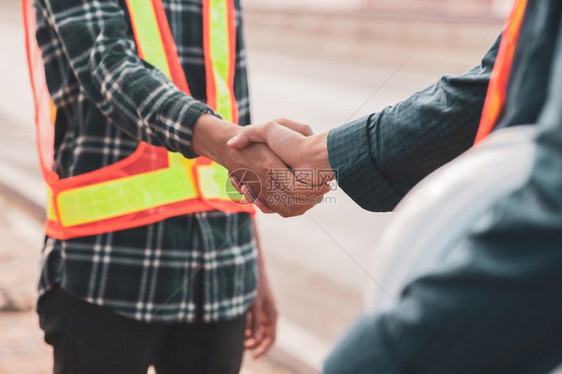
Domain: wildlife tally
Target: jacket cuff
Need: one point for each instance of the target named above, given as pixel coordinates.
(350, 158)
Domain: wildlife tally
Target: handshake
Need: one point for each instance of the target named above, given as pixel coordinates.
(280, 166)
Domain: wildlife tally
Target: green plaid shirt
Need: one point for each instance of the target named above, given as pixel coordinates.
(195, 266)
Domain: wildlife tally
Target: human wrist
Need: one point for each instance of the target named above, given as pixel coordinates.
(210, 135)
(316, 154)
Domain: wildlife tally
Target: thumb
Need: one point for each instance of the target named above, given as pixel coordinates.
(295, 126)
(248, 135)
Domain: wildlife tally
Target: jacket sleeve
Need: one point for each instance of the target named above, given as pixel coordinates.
(130, 93)
(379, 158)
(497, 308)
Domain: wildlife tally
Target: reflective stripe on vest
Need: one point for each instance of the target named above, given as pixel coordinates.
(495, 97)
(151, 184)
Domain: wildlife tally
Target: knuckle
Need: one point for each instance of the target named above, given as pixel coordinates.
(243, 131)
(269, 125)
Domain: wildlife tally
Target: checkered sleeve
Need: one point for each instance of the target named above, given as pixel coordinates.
(379, 158)
(132, 94)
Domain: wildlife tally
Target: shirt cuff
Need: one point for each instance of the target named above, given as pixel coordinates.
(350, 158)
(185, 115)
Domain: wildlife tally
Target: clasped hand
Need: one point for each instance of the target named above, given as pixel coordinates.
(280, 166)
(304, 153)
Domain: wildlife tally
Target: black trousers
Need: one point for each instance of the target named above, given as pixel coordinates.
(89, 339)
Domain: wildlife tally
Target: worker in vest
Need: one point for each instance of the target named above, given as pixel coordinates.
(149, 258)
(494, 304)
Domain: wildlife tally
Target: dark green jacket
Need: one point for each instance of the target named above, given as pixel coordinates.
(499, 310)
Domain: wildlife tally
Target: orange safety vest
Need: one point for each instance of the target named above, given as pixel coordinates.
(495, 97)
(151, 184)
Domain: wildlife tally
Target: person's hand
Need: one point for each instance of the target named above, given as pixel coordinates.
(266, 179)
(261, 330)
(292, 142)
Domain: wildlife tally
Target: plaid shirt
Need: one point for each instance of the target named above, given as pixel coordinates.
(194, 266)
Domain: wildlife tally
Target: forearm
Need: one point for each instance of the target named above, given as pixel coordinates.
(149, 107)
(393, 150)
(131, 94)
(210, 135)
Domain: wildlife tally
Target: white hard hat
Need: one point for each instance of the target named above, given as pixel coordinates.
(446, 206)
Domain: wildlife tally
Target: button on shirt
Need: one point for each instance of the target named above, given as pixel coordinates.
(199, 265)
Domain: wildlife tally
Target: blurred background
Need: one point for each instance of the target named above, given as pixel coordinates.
(322, 62)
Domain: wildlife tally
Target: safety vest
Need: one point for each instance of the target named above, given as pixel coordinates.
(497, 88)
(151, 184)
